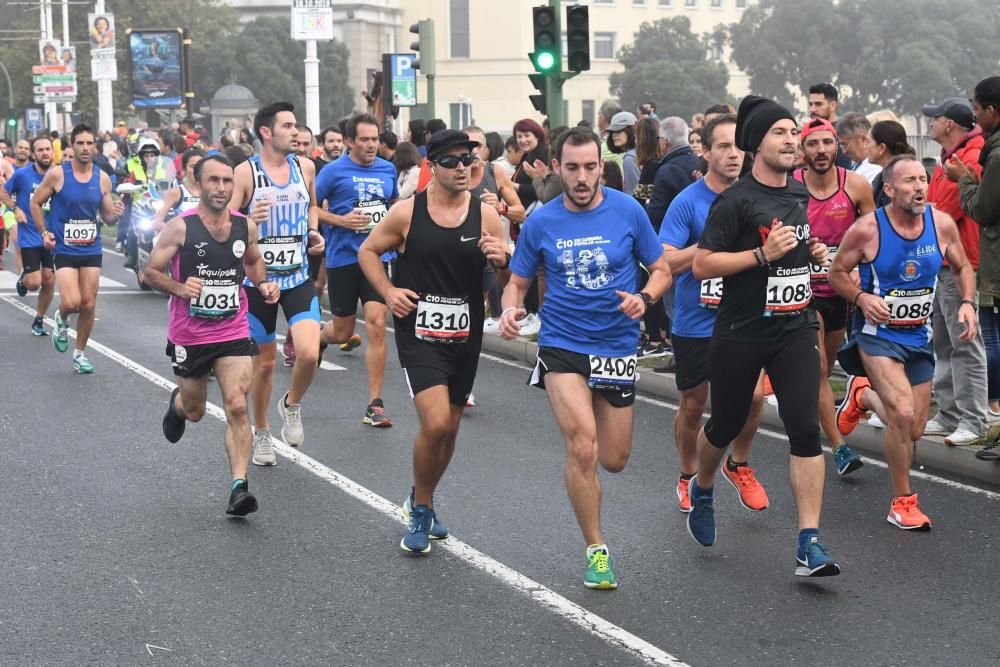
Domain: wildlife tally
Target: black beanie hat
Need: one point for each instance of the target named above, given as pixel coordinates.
(755, 118)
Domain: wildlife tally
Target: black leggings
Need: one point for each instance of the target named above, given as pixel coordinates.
(792, 364)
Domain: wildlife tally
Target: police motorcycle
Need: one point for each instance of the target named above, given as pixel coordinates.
(147, 200)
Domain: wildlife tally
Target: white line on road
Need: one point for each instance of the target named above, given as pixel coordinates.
(567, 609)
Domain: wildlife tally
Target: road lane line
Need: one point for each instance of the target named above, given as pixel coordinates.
(579, 616)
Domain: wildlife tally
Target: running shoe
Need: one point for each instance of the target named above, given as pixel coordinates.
(813, 561)
(990, 452)
(353, 342)
(470, 402)
(375, 415)
(669, 365)
(701, 518)
(875, 422)
(38, 328)
(530, 325)
(241, 501)
(438, 530)
(904, 512)
(60, 339)
(600, 576)
(850, 410)
(936, 427)
(288, 351)
(751, 492)
(173, 423)
(649, 350)
(847, 461)
(417, 538)
(491, 326)
(961, 437)
(19, 286)
(683, 497)
(81, 364)
(291, 430)
(263, 449)
(992, 417)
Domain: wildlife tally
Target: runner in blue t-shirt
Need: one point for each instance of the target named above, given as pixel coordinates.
(37, 272)
(357, 191)
(589, 242)
(80, 194)
(695, 304)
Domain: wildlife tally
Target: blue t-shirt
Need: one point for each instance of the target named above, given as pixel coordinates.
(346, 185)
(21, 186)
(587, 256)
(682, 227)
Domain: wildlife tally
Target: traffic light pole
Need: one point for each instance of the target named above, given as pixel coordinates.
(554, 83)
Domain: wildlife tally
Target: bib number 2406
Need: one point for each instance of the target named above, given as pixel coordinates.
(612, 372)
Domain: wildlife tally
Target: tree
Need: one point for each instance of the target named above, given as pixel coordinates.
(668, 64)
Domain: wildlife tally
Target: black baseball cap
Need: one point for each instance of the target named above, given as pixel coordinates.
(442, 140)
(953, 108)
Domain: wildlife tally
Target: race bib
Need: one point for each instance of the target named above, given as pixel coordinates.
(711, 293)
(819, 273)
(612, 372)
(788, 291)
(80, 232)
(909, 308)
(282, 254)
(442, 319)
(218, 300)
(375, 209)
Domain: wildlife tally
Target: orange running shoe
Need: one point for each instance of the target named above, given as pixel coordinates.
(850, 411)
(751, 492)
(683, 499)
(904, 513)
(768, 389)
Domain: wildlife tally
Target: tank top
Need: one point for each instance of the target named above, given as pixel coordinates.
(219, 313)
(189, 201)
(74, 216)
(284, 237)
(488, 182)
(904, 273)
(445, 267)
(829, 220)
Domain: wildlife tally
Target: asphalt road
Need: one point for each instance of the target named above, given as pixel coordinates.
(116, 548)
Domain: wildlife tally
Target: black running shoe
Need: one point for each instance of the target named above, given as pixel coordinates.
(19, 286)
(173, 423)
(241, 501)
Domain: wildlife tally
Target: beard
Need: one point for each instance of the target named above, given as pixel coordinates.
(572, 194)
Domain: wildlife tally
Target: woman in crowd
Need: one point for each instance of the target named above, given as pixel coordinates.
(886, 139)
(407, 160)
(621, 140)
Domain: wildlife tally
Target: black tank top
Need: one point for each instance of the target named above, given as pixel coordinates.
(445, 267)
(218, 264)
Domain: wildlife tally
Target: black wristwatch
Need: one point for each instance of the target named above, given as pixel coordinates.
(646, 299)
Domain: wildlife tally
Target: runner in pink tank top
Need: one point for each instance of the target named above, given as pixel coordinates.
(829, 219)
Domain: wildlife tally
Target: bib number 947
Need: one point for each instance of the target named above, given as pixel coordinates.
(612, 372)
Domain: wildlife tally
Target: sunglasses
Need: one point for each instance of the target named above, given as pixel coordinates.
(452, 161)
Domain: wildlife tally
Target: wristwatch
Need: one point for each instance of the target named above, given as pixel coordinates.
(646, 299)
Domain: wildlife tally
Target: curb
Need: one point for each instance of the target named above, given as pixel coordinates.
(929, 452)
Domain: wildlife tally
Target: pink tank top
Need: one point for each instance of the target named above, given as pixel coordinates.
(829, 220)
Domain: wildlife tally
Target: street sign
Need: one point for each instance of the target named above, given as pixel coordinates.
(312, 20)
(404, 80)
(33, 119)
(54, 83)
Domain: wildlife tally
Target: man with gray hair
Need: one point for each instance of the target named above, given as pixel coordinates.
(852, 132)
(675, 170)
(604, 115)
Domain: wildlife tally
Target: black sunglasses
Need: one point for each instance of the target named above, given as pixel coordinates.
(452, 161)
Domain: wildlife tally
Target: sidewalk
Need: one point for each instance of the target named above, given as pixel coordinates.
(930, 452)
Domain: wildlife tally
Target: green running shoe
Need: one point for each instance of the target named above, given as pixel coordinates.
(60, 339)
(82, 365)
(599, 573)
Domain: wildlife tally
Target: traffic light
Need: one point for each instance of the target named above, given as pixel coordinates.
(540, 82)
(12, 122)
(424, 47)
(545, 57)
(577, 38)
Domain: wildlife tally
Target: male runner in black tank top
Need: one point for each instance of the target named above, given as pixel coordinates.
(444, 237)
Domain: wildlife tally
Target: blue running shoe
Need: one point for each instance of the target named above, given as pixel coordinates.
(701, 518)
(813, 561)
(19, 286)
(847, 461)
(417, 538)
(438, 530)
(38, 328)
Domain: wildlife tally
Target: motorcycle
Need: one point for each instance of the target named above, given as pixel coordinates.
(146, 202)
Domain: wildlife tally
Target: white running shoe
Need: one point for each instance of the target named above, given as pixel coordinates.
(263, 449)
(530, 324)
(291, 430)
(934, 427)
(491, 326)
(960, 437)
(875, 422)
(470, 402)
(992, 417)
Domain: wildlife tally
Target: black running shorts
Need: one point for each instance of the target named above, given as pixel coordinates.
(77, 261)
(197, 361)
(557, 360)
(36, 259)
(345, 285)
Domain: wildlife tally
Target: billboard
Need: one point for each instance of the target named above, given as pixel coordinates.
(101, 28)
(156, 68)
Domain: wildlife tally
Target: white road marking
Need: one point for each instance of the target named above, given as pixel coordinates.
(599, 627)
(8, 281)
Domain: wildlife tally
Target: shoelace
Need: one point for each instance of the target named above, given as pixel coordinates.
(265, 445)
(907, 503)
(379, 410)
(420, 523)
(745, 476)
(600, 561)
(816, 549)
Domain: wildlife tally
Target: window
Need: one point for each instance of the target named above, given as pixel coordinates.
(638, 2)
(741, 4)
(604, 46)
(666, 3)
(461, 114)
(690, 3)
(716, 4)
(604, 2)
(587, 109)
(715, 50)
(458, 21)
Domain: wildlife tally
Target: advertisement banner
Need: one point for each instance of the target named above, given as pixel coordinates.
(103, 64)
(54, 80)
(156, 69)
(312, 19)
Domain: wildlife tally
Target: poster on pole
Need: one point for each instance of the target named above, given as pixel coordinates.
(103, 63)
(156, 68)
(54, 79)
(312, 19)
(404, 80)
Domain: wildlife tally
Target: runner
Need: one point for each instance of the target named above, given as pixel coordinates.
(288, 232)
(186, 195)
(836, 198)
(38, 272)
(590, 242)
(695, 305)
(900, 249)
(359, 189)
(79, 193)
(445, 236)
(757, 240)
(209, 251)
